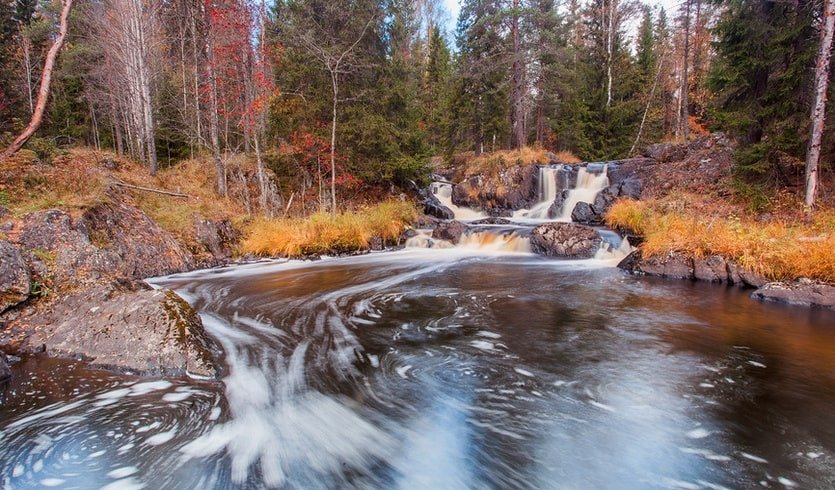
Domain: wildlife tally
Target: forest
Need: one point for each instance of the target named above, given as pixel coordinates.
(365, 93)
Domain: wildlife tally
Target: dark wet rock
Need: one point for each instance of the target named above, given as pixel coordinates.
(583, 213)
(499, 212)
(492, 221)
(218, 238)
(5, 371)
(15, 281)
(673, 265)
(631, 187)
(376, 243)
(711, 269)
(800, 293)
(565, 240)
(112, 241)
(744, 277)
(436, 209)
(449, 230)
(666, 152)
(147, 331)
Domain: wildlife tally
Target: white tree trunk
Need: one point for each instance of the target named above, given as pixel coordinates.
(819, 106)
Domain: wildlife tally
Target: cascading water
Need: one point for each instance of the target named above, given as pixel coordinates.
(501, 241)
(547, 193)
(443, 192)
(588, 186)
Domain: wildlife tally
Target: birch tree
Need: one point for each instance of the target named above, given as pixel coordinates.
(819, 105)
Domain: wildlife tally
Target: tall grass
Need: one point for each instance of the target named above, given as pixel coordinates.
(324, 233)
(777, 250)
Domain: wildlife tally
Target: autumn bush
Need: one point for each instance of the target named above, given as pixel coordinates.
(324, 233)
(777, 249)
(494, 162)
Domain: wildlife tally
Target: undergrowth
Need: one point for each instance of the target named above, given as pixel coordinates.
(324, 233)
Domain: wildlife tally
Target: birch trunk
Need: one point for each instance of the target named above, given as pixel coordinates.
(46, 79)
(685, 79)
(819, 106)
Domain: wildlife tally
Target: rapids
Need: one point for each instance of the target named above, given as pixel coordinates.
(447, 368)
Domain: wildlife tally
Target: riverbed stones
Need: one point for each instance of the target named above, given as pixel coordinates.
(14, 277)
(801, 293)
(145, 332)
(449, 230)
(570, 240)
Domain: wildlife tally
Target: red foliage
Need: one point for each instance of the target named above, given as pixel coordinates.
(312, 153)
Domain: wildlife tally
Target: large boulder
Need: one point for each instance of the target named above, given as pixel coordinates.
(511, 188)
(570, 240)
(433, 207)
(109, 242)
(449, 230)
(800, 293)
(711, 269)
(14, 277)
(145, 332)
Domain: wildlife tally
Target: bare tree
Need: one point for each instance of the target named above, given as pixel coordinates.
(685, 78)
(336, 57)
(129, 35)
(46, 79)
(819, 106)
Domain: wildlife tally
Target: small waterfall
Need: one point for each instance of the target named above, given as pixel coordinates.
(546, 195)
(443, 192)
(495, 242)
(482, 240)
(614, 247)
(586, 190)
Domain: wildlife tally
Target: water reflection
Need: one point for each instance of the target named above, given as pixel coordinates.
(444, 369)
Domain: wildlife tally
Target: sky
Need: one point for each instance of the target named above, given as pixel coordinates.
(453, 6)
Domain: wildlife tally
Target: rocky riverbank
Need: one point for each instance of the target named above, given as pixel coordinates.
(72, 286)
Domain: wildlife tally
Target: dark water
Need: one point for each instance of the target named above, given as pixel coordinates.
(439, 369)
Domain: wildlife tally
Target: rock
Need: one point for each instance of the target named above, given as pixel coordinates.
(148, 331)
(111, 241)
(672, 265)
(15, 281)
(512, 188)
(5, 372)
(434, 208)
(449, 230)
(583, 213)
(711, 269)
(738, 275)
(797, 293)
(494, 220)
(217, 237)
(666, 152)
(631, 187)
(376, 243)
(565, 240)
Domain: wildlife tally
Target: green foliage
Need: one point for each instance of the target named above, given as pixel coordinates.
(761, 80)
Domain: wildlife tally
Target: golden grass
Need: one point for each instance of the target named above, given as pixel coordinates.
(493, 163)
(566, 156)
(778, 250)
(82, 178)
(325, 233)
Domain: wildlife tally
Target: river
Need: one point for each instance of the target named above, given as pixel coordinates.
(448, 369)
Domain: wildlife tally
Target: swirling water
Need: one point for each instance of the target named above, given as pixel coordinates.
(448, 369)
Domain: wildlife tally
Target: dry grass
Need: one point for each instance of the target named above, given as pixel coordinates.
(324, 233)
(566, 156)
(84, 178)
(779, 249)
(493, 163)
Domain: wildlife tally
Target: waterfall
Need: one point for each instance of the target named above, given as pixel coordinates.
(586, 190)
(547, 193)
(481, 240)
(443, 192)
